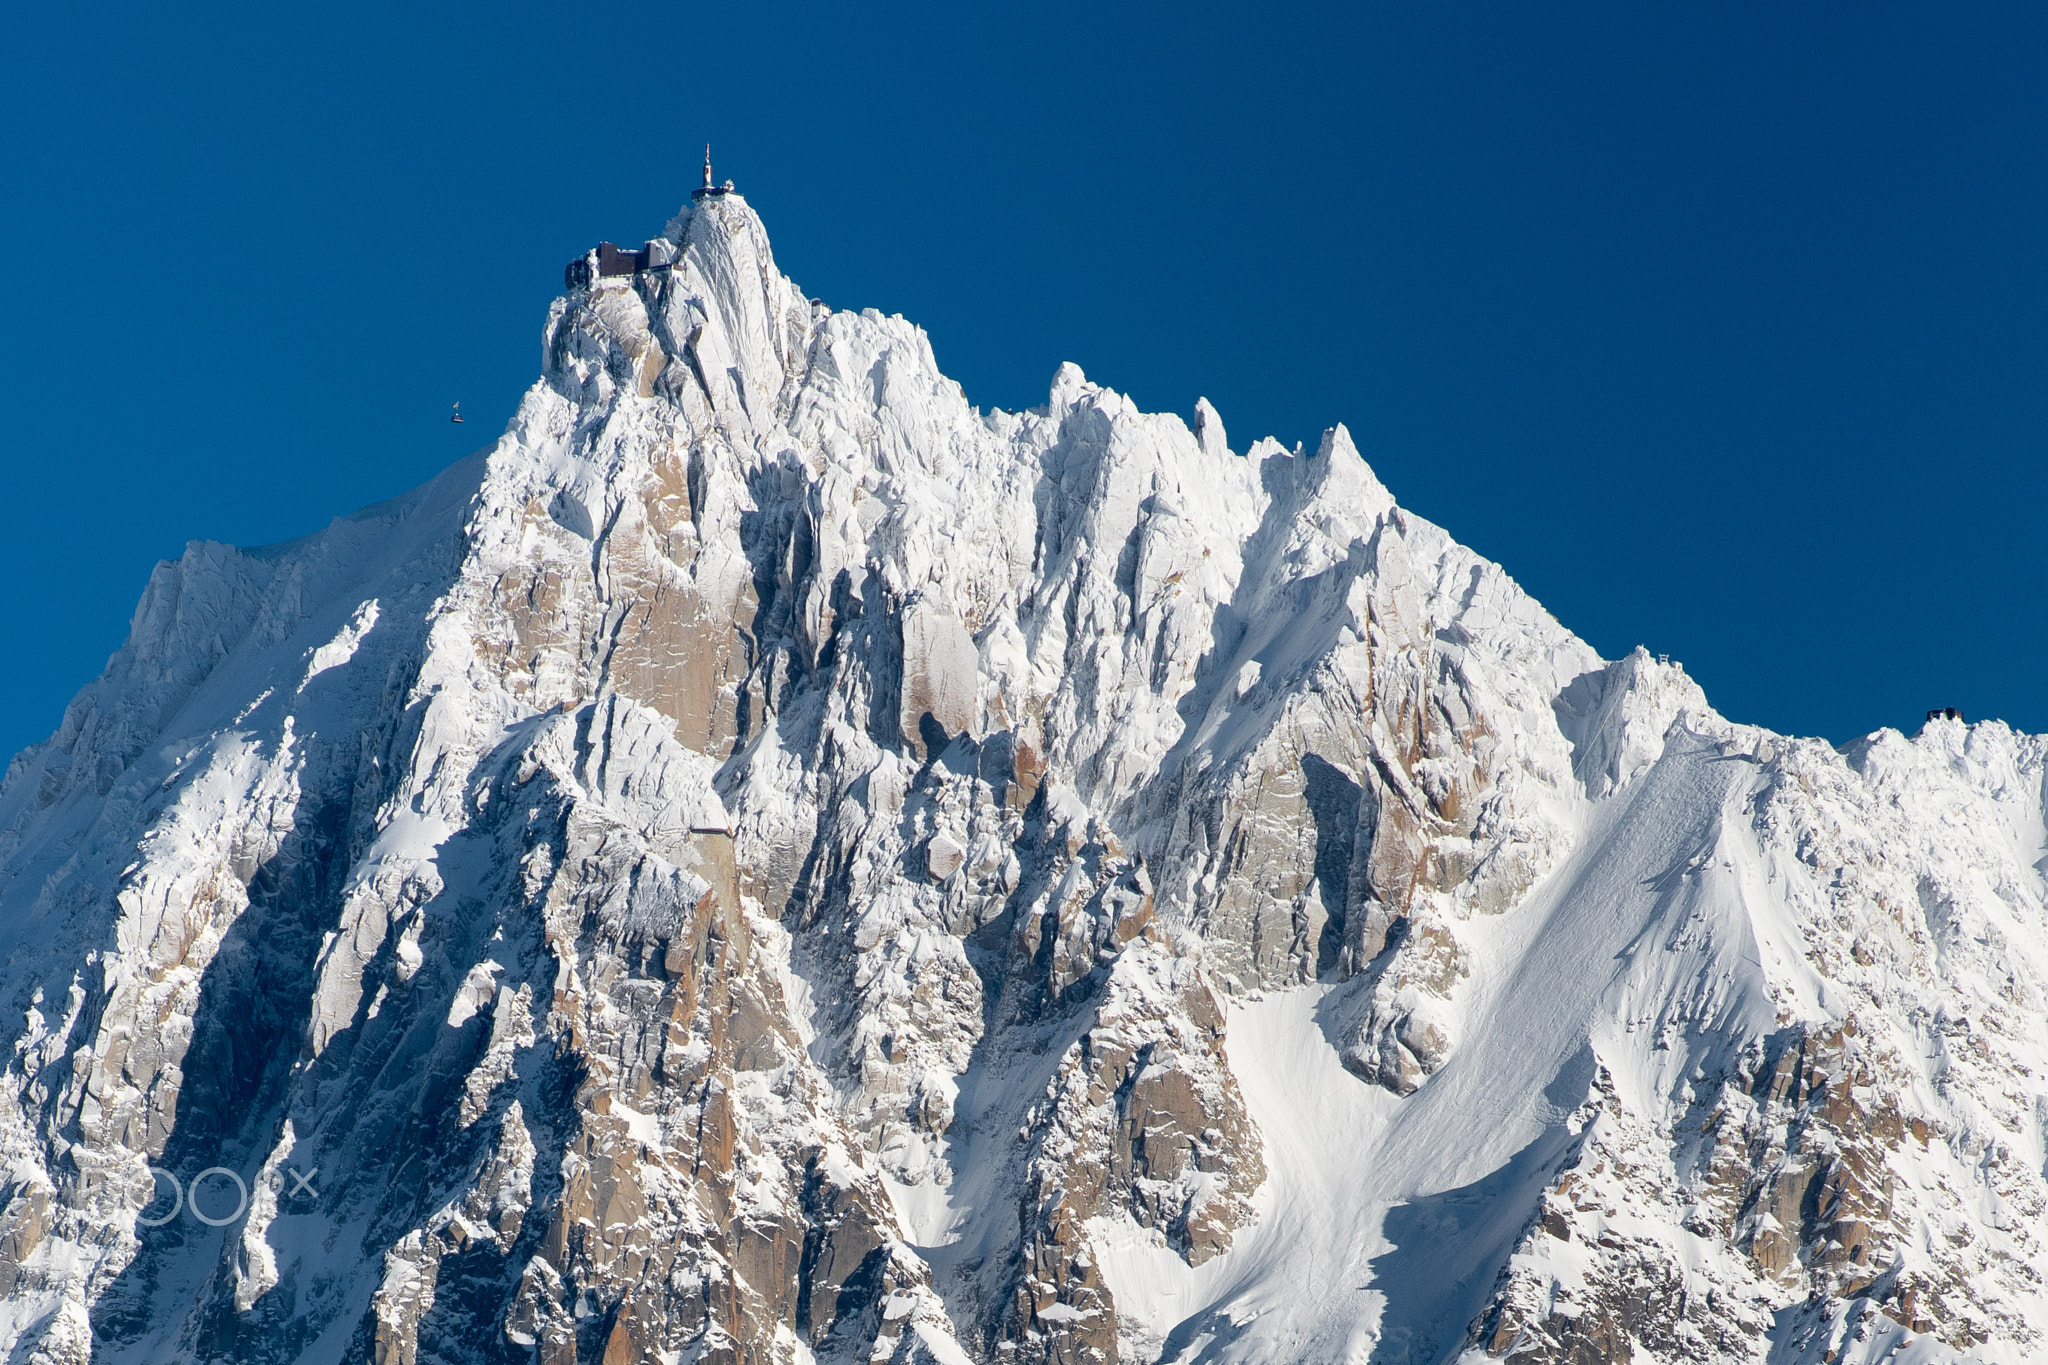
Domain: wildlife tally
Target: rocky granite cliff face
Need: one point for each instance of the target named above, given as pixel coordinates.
(772, 863)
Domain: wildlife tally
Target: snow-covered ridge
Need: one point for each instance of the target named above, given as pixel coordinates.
(770, 861)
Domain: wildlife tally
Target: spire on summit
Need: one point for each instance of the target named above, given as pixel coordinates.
(709, 187)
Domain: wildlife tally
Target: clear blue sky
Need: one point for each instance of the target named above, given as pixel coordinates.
(1722, 326)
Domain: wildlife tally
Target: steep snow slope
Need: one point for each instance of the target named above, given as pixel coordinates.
(771, 862)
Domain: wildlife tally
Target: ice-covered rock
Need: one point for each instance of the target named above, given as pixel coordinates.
(770, 862)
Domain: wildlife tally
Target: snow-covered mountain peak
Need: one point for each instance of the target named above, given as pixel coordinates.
(772, 862)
